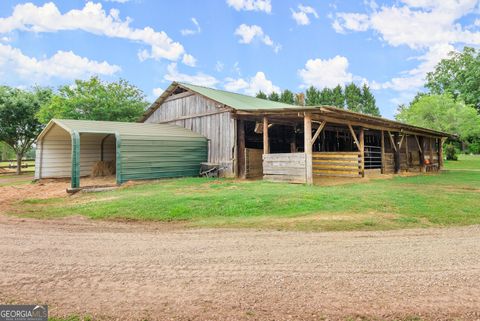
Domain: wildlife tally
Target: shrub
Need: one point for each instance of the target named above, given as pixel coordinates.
(451, 152)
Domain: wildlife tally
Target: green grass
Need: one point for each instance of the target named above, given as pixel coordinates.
(465, 162)
(450, 198)
(13, 180)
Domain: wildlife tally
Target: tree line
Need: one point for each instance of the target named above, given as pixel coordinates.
(352, 97)
(451, 102)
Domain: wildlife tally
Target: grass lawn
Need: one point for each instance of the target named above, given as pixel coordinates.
(465, 162)
(449, 198)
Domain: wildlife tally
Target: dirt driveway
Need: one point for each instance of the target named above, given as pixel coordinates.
(130, 271)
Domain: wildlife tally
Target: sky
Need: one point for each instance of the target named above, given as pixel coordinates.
(236, 45)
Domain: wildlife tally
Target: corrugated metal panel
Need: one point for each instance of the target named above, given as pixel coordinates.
(56, 154)
(161, 158)
(237, 101)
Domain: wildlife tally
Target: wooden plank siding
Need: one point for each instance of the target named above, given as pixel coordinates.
(284, 167)
(253, 163)
(205, 117)
(343, 164)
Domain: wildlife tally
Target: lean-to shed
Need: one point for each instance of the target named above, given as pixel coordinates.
(69, 148)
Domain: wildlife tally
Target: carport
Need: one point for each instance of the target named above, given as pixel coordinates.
(69, 148)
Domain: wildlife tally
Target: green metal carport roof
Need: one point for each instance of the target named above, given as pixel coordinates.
(143, 150)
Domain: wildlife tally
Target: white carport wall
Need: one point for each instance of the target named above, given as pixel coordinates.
(54, 152)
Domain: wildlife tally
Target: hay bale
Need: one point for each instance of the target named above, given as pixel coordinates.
(100, 169)
(112, 166)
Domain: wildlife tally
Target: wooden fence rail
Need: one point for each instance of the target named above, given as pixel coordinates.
(346, 164)
(285, 167)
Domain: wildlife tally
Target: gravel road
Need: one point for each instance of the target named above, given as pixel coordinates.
(135, 271)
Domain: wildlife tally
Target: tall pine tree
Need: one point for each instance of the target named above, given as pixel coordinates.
(261, 95)
(311, 96)
(274, 96)
(368, 102)
(338, 99)
(287, 97)
(353, 98)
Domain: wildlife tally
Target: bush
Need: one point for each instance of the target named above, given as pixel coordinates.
(451, 152)
(474, 146)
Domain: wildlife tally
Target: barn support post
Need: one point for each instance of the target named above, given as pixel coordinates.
(118, 158)
(382, 141)
(75, 179)
(362, 151)
(241, 172)
(266, 145)
(307, 133)
(397, 153)
(406, 152)
(421, 153)
(440, 153)
(430, 149)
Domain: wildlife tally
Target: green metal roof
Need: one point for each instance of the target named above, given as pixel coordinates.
(234, 100)
(122, 128)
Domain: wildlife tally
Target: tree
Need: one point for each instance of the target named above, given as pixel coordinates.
(338, 99)
(274, 96)
(18, 125)
(353, 97)
(369, 105)
(312, 96)
(6, 152)
(459, 76)
(443, 113)
(287, 97)
(325, 97)
(261, 95)
(94, 99)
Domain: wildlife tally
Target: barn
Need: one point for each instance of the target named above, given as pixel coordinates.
(250, 137)
(70, 148)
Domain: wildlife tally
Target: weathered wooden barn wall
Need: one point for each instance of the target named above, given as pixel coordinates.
(203, 116)
(53, 156)
(285, 167)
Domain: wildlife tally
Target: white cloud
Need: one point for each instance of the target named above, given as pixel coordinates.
(417, 24)
(351, 21)
(251, 86)
(251, 33)
(93, 19)
(157, 92)
(200, 79)
(189, 60)
(301, 16)
(326, 72)
(415, 78)
(190, 32)
(63, 64)
(251, 5)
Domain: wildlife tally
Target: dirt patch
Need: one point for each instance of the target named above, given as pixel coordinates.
(133, 271)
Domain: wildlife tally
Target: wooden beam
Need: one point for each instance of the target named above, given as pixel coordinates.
(319, 130)
(421, 142)
(383, 151)
(241, 167)
(430, 150)
(398, 166)
(392, 141)
(440, 153)
(406, 151)
(307, 133)
(354, 136)
(401, 142)
(362, 152)
(418, 144)
(266, 145)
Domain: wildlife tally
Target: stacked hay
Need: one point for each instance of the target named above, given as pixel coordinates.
(103, 168)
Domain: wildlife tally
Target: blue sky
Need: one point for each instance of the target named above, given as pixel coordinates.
(237, 45)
